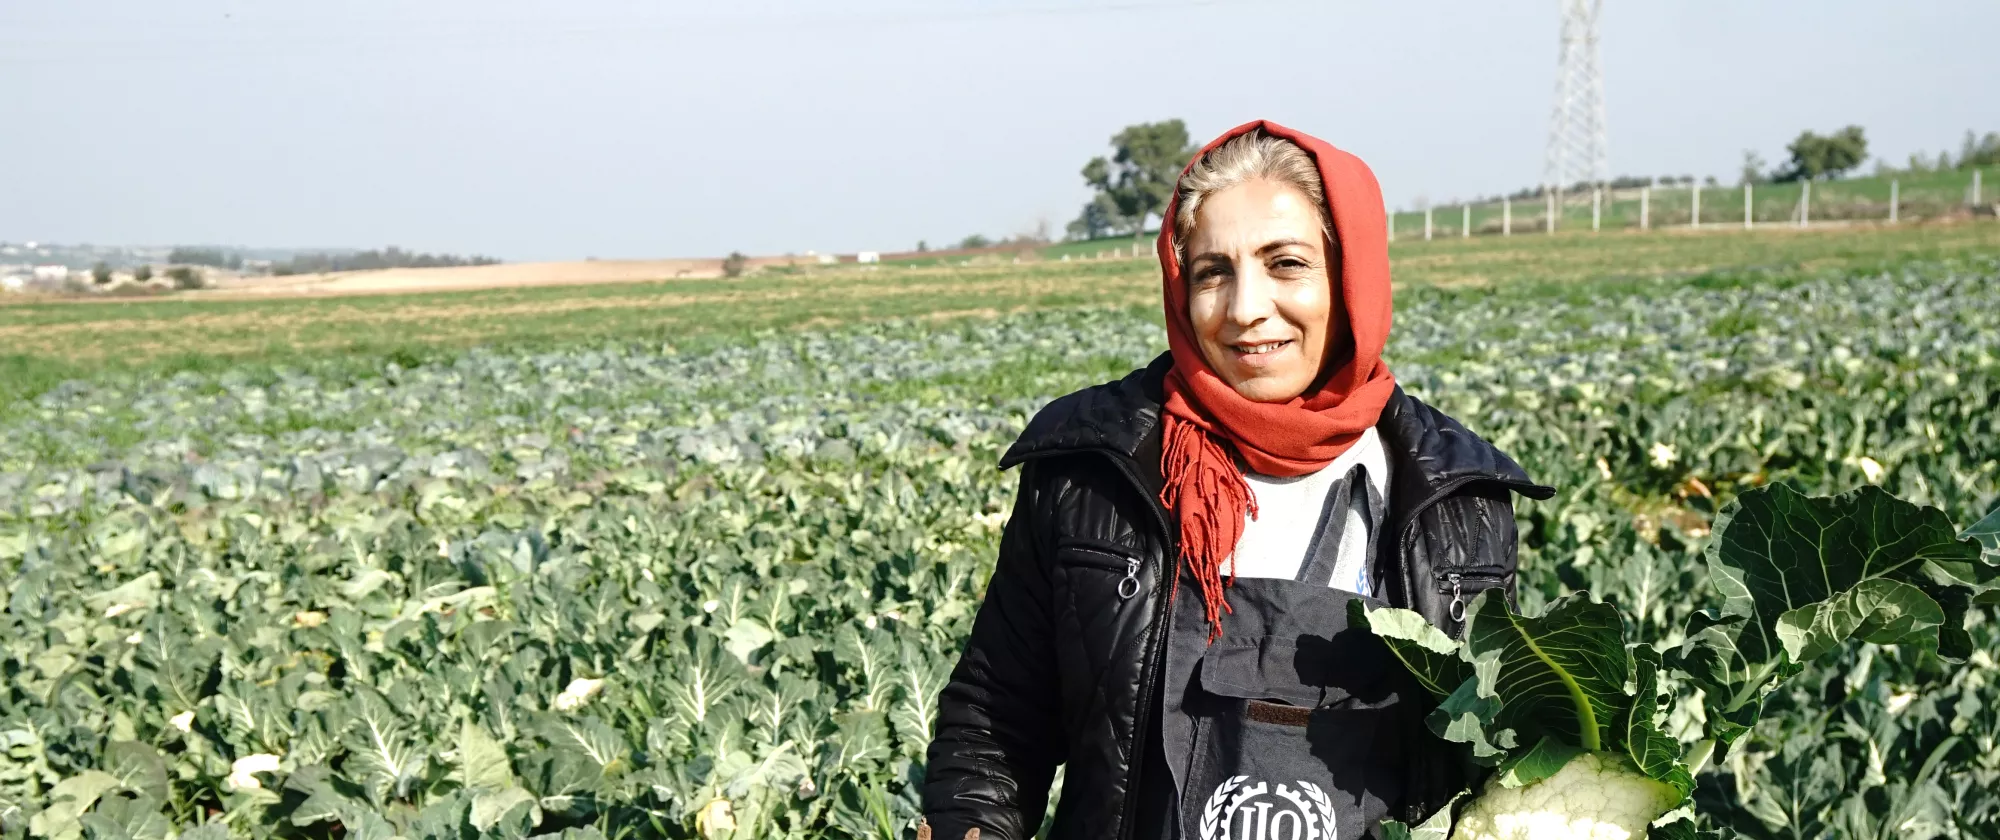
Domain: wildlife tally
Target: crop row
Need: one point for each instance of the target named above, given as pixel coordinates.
(629, 590)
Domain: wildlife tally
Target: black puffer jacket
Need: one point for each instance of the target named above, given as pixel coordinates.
(1060, 669)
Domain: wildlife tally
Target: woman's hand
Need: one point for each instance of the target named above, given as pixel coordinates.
(924, 831)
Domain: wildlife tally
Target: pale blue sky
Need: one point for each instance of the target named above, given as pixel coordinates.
(545, 130)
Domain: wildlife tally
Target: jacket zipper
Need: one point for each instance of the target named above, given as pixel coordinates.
(1149, 679)
(1453, 580)
(1129, 585)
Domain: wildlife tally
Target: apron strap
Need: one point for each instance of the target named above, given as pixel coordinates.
(1350, 494)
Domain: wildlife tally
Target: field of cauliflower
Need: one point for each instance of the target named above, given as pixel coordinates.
(635, 591)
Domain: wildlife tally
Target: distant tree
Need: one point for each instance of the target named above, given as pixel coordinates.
(1979, 151)
(213, 257)
(923, 247)
(184, 277)
(1135, 182)
(142, 273)
(1753, 168)
(1818, 157)
(974, 241)
(390, 257)
(1032, 239)
(733, 265)
(101, 273)
(1100, 218)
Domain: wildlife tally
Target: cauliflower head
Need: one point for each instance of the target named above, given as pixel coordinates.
(1596, 796)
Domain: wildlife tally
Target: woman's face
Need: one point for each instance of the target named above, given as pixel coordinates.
(1260, 292)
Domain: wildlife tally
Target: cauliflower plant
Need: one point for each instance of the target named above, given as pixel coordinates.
(1596, 796)
(1567, 708)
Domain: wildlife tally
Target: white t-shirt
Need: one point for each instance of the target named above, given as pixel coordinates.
(1289, 514)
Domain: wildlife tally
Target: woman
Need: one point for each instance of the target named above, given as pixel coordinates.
(1168, 615)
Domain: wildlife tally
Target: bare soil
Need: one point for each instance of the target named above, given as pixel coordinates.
(464, 278)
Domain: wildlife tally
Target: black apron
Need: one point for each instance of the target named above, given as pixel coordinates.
(1287, 727)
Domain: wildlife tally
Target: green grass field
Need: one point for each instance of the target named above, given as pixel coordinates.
(1101, 248)
(51, 341)
(1116, 247)
(1919, 196)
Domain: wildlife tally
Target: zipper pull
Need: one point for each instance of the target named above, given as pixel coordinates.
(1129, 585)
(1457, 610)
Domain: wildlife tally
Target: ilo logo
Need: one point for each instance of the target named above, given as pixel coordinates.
(1239, 810)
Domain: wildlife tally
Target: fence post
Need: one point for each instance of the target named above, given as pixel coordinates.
(1892, 200)
(1694, 218)
(1465, 223)
(1596, 208)
(1506, 216)
(1549, 220)
(1975, 188)
(1748, 213)
(1805, 203)
(1392, 225)
(1427, 224)
(1645, 207)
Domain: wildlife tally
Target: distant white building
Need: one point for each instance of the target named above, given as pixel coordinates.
(13, 283)
(868, 257)
(56, 273)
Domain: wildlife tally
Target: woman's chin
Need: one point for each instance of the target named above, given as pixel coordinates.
(1267, 386)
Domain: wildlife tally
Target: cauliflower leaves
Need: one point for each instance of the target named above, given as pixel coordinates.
(1566, 709)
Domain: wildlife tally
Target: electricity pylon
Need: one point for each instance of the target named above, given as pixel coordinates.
(1577, 151)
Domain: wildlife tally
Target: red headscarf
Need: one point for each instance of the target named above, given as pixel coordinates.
(1203, 413)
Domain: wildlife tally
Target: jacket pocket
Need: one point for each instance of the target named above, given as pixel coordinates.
(1095, 554)
(1470, 579)
(1103, 556)
(1463, 582)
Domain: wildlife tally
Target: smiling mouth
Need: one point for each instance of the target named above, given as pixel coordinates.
(1263, 349)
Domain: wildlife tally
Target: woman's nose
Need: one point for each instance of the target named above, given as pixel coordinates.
(1250, 297)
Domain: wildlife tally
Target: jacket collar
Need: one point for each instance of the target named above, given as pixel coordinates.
(1430, 453)
(1116, 417)
(1425, 442)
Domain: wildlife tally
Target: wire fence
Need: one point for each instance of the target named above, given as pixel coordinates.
(1904, 197)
